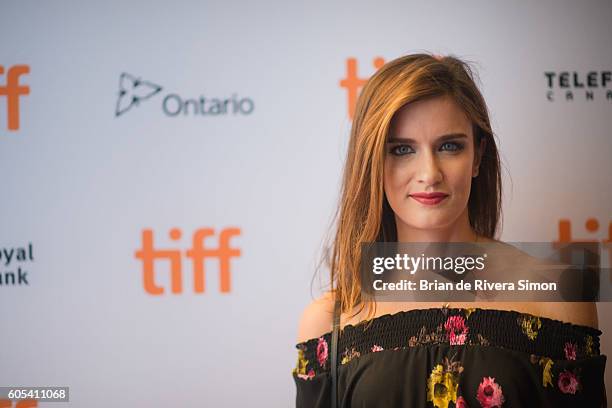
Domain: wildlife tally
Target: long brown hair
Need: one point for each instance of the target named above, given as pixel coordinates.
(364, 215)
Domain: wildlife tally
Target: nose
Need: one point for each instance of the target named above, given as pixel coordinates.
(429, 172)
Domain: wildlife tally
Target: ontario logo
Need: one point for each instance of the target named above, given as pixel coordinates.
(134, 90)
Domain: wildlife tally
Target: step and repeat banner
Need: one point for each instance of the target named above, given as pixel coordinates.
(169, 171)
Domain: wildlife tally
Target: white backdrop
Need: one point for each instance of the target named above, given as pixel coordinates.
(81, 184)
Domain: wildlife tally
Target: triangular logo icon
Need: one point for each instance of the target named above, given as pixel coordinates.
(132, 91)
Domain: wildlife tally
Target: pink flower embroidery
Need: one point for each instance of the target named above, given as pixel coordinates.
(461, 403)
(308, 376)
(322, 351)
(570, 351)
(376, 348)
(456, 329)
(489, 393)
(568, 382)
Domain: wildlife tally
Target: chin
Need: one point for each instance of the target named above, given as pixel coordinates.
(428, 223)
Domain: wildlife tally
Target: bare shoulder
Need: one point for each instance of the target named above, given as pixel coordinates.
(317, 318)
(580, 313)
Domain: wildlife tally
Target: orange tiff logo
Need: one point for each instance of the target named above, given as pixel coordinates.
(26, 403)
(353, 83)
(148, 254)
(592, 226)
(12, 90)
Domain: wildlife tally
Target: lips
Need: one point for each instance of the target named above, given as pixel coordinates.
(429, 198)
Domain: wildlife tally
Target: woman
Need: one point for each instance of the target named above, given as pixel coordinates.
(423, 166)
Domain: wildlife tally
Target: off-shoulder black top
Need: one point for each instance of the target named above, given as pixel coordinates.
(452, 357)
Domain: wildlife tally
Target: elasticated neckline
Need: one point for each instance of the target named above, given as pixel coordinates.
(507, 329)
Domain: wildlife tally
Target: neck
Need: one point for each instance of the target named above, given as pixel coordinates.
(459, 231)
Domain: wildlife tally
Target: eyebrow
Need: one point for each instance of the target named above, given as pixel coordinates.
(439, 139)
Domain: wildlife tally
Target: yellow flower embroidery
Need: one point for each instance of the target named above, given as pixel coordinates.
(547, 363)
(530, 325)
(301, 363)
(547, 376)
(588, 347)
(348, 355)
(443, 383)
(468, 311)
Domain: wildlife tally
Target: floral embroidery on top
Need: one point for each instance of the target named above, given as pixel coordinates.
(529, 325)
(570, 350)
(424, 337)
(322, 351)
(308, 376)
(300, 369)
(461, 327)
(461, 403)
(443, 383)
(547, 363)
(490, 393)
(569, 382)
(456, 329)
(348, 355)
(588, 347)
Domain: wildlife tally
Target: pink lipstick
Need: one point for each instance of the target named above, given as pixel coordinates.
(429, 198)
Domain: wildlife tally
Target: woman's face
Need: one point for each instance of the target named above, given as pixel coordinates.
(430, 149)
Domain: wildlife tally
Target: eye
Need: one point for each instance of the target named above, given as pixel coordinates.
(452, 146)
(401, 150)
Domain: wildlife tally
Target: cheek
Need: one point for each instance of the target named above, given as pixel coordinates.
(460, 177)
(394, 180)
